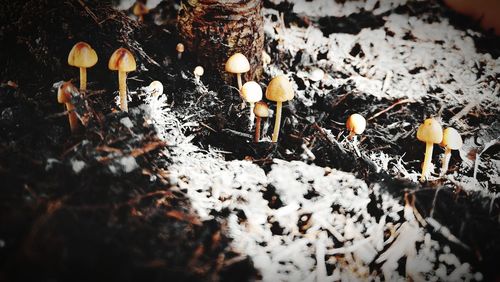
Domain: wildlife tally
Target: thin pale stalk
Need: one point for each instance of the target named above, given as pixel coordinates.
(427, 161)
(83, 79)
(446, 161)
(252, 115)
(238, 75)
(122, 81)
(277, 122)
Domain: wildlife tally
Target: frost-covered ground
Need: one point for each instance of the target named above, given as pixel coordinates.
(317, 227)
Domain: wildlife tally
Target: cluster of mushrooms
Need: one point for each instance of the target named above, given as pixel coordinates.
(431, 132)
(279, 90)
(83, 56)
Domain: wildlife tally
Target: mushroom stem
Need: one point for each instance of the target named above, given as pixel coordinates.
(73, 119)
(427, 160)
(83, 78)
(446, 161)
(179, 55)
(122, 81)
(238, 75)
(252, 115)
(257, 129)
(277, 123)
(351, 135)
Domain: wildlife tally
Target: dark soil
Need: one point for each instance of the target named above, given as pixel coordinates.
(109, 223)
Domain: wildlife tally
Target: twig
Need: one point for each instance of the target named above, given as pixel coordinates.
(404, 101)
(207, 127)
(237, 133)
(91, 14)
(465, 111)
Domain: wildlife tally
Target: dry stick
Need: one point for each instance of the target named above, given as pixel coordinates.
(257, 130)
(404, 101)
(465, 111)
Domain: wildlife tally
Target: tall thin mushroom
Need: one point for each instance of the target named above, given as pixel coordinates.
(451, 141)
(64, 95)
(238, 64)
(279, 90)
(83, 57)
(431, 133)
(261, 110)
(251, 92)
(122, 61)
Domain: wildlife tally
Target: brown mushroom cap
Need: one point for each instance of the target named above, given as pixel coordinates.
(430, 131)
(179, 47)
(237, 63)
(64, 92)
(82, 56)
(279, 89)
(356, 123)
(122, 60)
(140, 9)
(251, 92)
(261, 109)
(451, 139)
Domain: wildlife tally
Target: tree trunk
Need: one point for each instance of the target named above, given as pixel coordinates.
(213, 30)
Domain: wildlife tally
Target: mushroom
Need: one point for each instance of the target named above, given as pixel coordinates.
(279, 90)
(356, 124)
(316, 75)
(451, 141)
(155, 88)
(122, 61)
(83, 57)
(261, 110)
(198, 72)
(140, 10)
(251, 92)
(180, 49)
(237, 64)
(64, 93)
(431, 133)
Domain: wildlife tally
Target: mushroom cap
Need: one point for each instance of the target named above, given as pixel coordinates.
(451, 139)
(82, 55)
(140, 9)
(356, 123)
(199, 71)
(316, 75)
(237, 63)
(279, 89)
(122, 60)
(251, 92)
(155, 88)
(179, 47)
(64, 93)
(430, 131)
(261, 109)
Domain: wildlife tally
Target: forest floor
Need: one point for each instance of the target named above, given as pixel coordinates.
(177, 188)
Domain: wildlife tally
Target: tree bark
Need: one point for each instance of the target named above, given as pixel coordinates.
(213, 30)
